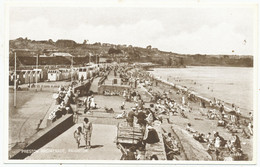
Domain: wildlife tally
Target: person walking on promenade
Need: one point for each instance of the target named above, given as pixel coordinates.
(92, 102)
(87, 130)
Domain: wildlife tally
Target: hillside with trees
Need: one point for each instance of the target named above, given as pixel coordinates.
(25, 47)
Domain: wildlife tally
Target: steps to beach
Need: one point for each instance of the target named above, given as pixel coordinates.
(156, 148)
(127, 134)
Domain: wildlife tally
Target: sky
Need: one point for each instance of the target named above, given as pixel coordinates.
(215, 30)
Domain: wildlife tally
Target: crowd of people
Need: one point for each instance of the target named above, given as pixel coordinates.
(163, 104)
(64, 98)
(147, 118)
(218, 146)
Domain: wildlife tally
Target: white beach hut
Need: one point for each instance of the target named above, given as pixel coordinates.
(54, 75)
(82, 73)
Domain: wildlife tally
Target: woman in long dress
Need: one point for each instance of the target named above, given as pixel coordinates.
(92, 102)
(124, 94)
(217, 142)
(183, 100)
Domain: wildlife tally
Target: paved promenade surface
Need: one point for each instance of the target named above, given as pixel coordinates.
(24, 119)
(64, 147)
(94, 85)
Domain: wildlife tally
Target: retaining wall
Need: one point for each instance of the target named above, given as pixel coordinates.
(44, 136)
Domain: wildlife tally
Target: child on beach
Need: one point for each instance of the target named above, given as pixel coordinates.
(77, 135)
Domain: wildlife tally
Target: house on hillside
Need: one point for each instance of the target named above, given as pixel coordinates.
(106, 44)
(65, 43)
(102, 60)
(155, 49)
(60, 54)
(43, 55)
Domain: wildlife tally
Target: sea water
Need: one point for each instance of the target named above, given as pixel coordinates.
(233, 85)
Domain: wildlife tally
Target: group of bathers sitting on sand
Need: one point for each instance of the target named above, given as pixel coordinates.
(223, 149)
(162, 104)
(231, 120)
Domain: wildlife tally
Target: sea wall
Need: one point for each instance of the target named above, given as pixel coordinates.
(83, 88)
(192, 148)
(44, 136)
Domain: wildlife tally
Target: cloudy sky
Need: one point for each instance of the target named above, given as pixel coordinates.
(181, 30)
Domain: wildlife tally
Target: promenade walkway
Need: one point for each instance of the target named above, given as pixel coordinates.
(94, 85)
(64, 147)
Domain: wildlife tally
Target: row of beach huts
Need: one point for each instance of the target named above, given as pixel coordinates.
(54, 74)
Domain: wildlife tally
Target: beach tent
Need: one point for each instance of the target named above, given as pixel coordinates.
(41, 75)
(19, 76)
(37, 75)
(30, 76)
(26, 76)
(33, 77)
(11, 77)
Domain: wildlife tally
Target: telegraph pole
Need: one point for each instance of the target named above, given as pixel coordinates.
(14, 79)
(71, 73)
(36, 71)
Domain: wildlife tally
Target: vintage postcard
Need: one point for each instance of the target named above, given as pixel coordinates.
(134, 83)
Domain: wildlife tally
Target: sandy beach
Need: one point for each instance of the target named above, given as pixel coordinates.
(200, 122)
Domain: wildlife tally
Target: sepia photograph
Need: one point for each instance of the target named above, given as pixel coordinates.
(127, 83)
